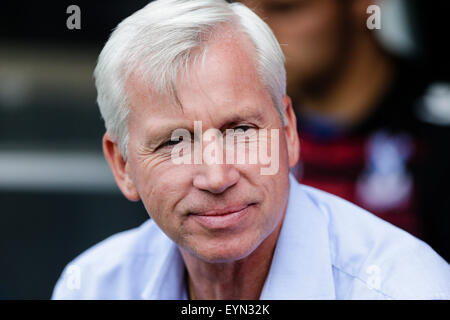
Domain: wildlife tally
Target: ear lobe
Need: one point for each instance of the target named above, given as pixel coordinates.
(118, 167)
(292, 140)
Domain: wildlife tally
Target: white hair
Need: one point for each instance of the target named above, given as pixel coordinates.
(160, 39)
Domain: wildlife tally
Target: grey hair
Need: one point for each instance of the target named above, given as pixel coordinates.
(159, 40)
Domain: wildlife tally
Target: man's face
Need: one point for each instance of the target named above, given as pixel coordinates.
(312, 34)
(225, 94)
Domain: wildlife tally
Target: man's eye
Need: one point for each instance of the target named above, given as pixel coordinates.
(243, 128)
(170, 143)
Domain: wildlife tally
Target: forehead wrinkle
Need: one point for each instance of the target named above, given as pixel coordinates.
(240, 56)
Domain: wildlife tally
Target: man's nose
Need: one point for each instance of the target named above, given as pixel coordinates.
(216, 178)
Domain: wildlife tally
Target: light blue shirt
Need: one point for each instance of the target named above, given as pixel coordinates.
(328, 248)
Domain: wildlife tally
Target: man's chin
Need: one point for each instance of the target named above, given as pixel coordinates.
(221, 258)
(222, 253)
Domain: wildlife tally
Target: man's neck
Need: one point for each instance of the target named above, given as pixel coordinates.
(352, 93)
(237, 280)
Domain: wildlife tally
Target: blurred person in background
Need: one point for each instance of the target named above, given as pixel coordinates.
(365, 115)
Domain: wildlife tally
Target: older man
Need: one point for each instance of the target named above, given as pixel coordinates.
(226, 229)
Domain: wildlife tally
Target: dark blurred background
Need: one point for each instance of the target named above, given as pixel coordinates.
(57, 194)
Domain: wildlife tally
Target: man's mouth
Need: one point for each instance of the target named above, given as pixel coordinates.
(223, 218)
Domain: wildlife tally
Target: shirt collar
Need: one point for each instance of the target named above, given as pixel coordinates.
(301, 265)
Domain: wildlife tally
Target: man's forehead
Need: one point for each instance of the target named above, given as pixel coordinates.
(222, 119)
(162, 110)
(145, 102)
(142, 98)
(227, 76)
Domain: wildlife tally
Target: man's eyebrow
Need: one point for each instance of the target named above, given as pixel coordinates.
(254, 115)
(159, 134)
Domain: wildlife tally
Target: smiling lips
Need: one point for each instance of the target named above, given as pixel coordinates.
(223, 218)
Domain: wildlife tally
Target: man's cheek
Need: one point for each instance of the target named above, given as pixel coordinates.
(161, 196)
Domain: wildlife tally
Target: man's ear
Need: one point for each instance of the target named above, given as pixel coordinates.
(119, 168)
(290, 129)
